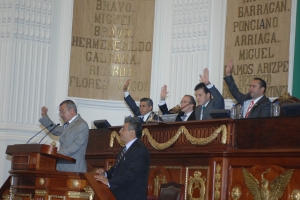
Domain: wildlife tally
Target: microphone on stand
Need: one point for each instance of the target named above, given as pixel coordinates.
(39, 132)
(186, 105)
(50, 131)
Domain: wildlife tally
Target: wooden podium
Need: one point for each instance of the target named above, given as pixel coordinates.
(34, 176)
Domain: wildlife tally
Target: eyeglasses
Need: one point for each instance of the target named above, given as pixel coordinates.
(185, 102)
(122, 129)
(63, 112)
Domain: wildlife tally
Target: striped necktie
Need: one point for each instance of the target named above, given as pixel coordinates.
(66, 124)
(249, 109)
(121, 155)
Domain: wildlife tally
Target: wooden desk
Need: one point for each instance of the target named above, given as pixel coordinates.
(212, 170)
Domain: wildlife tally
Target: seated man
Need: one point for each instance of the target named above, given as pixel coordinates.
(145, 109)
(187, 106)
(203, 92)
(255, 103)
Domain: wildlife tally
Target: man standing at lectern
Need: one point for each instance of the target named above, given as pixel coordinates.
(128, 178)
(73, 134)
(255, 103)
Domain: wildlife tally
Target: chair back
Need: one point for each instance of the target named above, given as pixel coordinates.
(285, 99)
(171, 191)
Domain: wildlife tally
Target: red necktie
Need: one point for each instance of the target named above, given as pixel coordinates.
(249, 109)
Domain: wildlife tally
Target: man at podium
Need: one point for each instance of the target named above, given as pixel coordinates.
(73, 136)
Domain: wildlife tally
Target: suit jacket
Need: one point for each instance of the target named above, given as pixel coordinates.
(215, 103)
(136, 110)
(73, 142)
(129, 179)
(260, 109)
(164, 109)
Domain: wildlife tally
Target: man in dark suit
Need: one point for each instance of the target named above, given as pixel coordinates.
(73, 134)
(208, 97)
(128, 178)
(144, 112)
(187, 106)
(255, 103)
(203, 92)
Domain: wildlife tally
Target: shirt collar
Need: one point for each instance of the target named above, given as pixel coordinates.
(72, 119)
(130, 143)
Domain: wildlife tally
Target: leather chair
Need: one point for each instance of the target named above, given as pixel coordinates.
(171, 191)
(285, 99)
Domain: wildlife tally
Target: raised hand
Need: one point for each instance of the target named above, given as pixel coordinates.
(44, 111)
(125, 87)
(205, 77)
(163, 92)
(228, 70)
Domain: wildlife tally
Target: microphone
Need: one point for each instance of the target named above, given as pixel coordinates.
(39, 132)
(50, 131)
(186, 105)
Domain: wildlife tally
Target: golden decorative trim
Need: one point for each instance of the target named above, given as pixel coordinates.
(53, 143)
(6, 197)
(41, 181)
(261, 190)
(40, 192)
(15, 196)
(56, 197)
(194, 184)
(78, 195)
(285, 96)
(295, 194)
(236, 193)
(90, 191)
(217, 193)
(187, 175)
(75, 183)
(182, 129)
(157, 182)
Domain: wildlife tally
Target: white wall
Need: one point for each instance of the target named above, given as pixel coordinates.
(35, 38)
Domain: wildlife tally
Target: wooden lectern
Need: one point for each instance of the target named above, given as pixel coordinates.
(34, 176)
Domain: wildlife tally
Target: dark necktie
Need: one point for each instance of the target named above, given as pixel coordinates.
(202, 109)
(121, 155)
(66, 124)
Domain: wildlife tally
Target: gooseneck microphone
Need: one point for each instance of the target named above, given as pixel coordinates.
(39, 132)
(186, 105)
(50, 131)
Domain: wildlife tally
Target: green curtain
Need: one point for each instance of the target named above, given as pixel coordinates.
(296, 74)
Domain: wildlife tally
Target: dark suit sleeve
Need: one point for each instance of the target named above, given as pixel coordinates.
(164, 109)
(138, 162)
(178, 117)
(132, 105)
(218, 98)
(239, 97)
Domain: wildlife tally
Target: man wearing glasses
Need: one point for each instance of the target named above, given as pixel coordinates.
(187, 106)
(73, 134)
(204, 92)
(128, 178)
